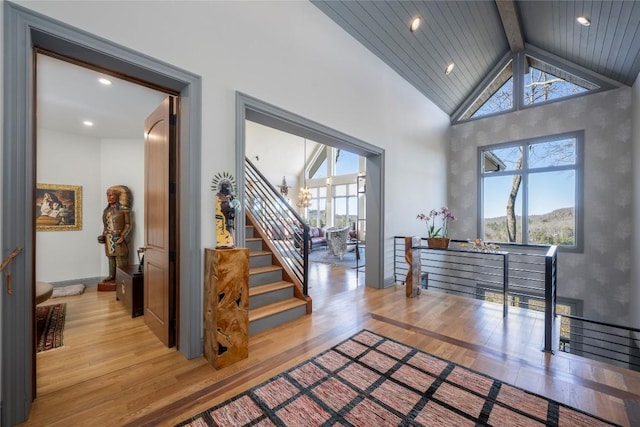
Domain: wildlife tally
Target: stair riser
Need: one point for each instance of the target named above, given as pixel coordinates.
(254, 245)
(261, 300)
(264, 278)
(249, 232)
(277, 319)
(259, 261)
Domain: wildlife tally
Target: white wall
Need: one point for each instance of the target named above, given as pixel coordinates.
(293, 56)
(635, 248)
(275, 161)
(122, 163)
(69, 159)
(600, 275)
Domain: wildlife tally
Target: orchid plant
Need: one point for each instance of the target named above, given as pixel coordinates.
(437, 222)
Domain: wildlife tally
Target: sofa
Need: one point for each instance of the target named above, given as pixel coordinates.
(317, 237)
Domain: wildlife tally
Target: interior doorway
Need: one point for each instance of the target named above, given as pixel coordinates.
(255, 110)
(94, 121)
(19, 180)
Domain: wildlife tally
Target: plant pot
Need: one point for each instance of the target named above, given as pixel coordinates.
(438, 242)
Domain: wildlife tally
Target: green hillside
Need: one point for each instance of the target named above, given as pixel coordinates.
(556, 227)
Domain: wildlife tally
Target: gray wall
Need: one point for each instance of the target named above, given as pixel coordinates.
(601, 274)
(635, 244)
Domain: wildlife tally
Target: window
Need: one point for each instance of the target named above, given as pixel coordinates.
(345, 205)
(346, 163)
(524, 81)
(531, 191)
(496, 97)
(543, 82)
(317, 210)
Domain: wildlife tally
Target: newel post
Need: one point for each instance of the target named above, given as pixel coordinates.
(412, 256)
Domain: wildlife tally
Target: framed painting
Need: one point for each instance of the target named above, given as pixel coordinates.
(58, 207)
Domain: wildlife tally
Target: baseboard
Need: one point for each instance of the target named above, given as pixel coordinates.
(87, 281)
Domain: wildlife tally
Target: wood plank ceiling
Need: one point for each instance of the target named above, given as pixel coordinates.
(477, 35)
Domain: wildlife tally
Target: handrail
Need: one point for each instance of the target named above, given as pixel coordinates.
(523, 271)
(595, 322)
(538, 283)
(285, 229)
(455, 268)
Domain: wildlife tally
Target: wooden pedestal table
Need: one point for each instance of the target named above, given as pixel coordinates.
(226, 306)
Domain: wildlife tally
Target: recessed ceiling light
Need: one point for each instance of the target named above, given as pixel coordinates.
(88, 123)
(104, 81)
(415, 24)
(449, 68)
(584, 21)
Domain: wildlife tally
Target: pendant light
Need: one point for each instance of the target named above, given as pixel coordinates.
(304, 196)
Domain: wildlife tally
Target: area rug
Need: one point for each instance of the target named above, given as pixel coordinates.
(349, 260)
(67, 291)
(49, 326)
(371, 380)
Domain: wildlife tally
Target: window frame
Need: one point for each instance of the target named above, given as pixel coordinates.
(347, 196)
(518, 66)
(578, 168)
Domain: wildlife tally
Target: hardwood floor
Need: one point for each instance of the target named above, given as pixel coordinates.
(112, 371)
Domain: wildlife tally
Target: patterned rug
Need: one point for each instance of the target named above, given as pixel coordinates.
(49, 326)
(349, 260)
(371, 380)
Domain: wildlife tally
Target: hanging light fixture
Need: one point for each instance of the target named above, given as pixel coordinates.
(304, 196)
(284, 188)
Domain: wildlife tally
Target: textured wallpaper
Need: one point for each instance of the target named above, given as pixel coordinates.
(600, 276)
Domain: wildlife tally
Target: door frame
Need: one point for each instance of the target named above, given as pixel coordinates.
(23, 31)
(255, 110)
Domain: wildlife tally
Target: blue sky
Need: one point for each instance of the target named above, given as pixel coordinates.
(547, 192)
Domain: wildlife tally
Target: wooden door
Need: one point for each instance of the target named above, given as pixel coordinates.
(159, 200)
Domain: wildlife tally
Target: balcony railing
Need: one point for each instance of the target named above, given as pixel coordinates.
(504, 275)
(526, 276)
(602, 341)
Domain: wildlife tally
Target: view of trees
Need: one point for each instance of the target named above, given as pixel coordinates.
(554, 228)
(539, 86)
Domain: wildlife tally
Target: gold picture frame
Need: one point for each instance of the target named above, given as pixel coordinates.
(58, 207)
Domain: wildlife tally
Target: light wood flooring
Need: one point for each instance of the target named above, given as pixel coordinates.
(112, 371)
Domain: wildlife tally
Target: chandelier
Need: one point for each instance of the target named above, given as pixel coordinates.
(304, 196)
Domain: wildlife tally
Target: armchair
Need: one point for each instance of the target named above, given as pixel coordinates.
(337, 241)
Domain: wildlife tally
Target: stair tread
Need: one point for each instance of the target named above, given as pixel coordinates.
(266, 268)
(259, 253)
(276, 307)
(252, 239)
(274, 286)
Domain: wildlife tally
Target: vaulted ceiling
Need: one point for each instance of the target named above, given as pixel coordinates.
(478, 35)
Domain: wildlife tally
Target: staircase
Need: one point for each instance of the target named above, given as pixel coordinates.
(274, 299)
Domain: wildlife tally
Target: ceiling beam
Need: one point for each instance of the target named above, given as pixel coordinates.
(511, 23)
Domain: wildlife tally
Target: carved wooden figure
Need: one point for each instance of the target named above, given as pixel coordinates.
(226, 306)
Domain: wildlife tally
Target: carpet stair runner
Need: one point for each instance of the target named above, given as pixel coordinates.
(272, 300)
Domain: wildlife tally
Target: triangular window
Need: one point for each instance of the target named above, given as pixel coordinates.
(497, 97)
(544, 82)
(526, 81)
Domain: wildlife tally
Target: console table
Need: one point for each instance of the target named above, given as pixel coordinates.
(130, 289)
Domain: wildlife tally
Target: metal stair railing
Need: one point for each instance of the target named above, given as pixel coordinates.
(281, 224)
